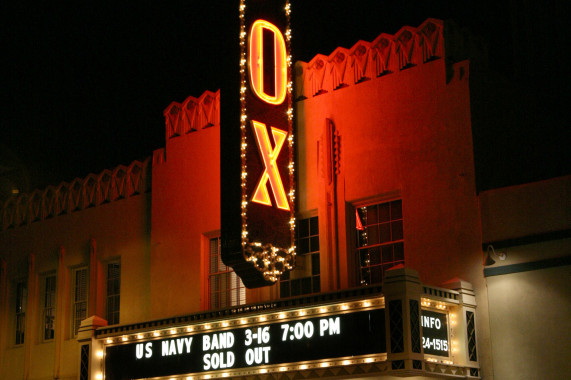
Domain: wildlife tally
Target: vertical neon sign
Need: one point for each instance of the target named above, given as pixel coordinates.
(267, 202)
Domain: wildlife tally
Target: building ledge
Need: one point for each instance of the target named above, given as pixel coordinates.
(92, 191)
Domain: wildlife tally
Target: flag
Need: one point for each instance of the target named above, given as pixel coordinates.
(358, 221)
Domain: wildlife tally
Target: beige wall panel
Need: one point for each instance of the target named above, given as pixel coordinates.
(530, 324)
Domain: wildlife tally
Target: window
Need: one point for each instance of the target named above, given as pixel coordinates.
(21, 302)
(79, 298)
(380, 243)
(305, 278)
(49, 307)
(225, 288)
(113, 292)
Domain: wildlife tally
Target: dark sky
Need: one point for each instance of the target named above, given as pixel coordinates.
(85, 83)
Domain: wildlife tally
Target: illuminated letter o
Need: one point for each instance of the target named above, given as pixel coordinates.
(249, 356)
(256, 57)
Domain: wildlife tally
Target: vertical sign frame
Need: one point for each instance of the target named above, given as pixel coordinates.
(267, 184)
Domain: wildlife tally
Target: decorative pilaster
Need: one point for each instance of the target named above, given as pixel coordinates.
(329, 170)
(89, 364)
(402, 289)
(93, 266)
(465, 345)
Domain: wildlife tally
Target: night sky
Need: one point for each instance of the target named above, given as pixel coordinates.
(84, 84)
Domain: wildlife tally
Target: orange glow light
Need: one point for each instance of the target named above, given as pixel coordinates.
(271, 173)
(256, 57)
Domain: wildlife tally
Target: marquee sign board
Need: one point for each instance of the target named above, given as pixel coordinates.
(434, 333)
(261, 246)
(325, 337)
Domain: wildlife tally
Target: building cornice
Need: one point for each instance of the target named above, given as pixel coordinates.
(192, 115)
(386, 54)
(81, 193)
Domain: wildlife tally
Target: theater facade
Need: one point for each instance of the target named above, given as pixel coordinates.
(397, 267)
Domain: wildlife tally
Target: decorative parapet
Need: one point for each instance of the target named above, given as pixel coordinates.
(367, 60)
(193, 114)
(94, 190)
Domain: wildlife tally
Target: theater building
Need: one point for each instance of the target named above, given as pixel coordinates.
(401, 269)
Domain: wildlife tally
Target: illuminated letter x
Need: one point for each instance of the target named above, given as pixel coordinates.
(269, 156)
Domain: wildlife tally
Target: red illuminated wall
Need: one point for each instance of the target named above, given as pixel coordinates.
(404, 132)
(185, 205)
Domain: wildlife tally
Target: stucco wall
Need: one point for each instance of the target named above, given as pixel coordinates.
(529, 292)
(120, 230)
(405, 135)
(186, 205)
(530, 325)
(529, 209)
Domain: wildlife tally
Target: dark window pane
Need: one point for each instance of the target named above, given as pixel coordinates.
(314, 226)
(364, 257)
(375, 255)
(314, 246)
(396, 228)
(396, 210)
(365, 277)
(373, 235)
(387, 253)
(303, 246)
(21, 301)
(303, 229)
(315, 269)
(383, 226)
(385, 232)
(372, 215)
(376, 275)
(362, 238)
(49, 307)
(399, 251)
(384, 212)
(307, 260)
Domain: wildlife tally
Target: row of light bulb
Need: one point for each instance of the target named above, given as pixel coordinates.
(378, 302)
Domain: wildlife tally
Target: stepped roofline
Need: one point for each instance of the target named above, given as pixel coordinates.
(94, 190)
(386, 54)
(193, 114)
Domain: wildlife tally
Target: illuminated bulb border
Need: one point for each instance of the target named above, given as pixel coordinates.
(276, 369)
(441, 361)
(440, 305)
(254, 320)
(294, 314)
(265, 258)
(282, 316)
